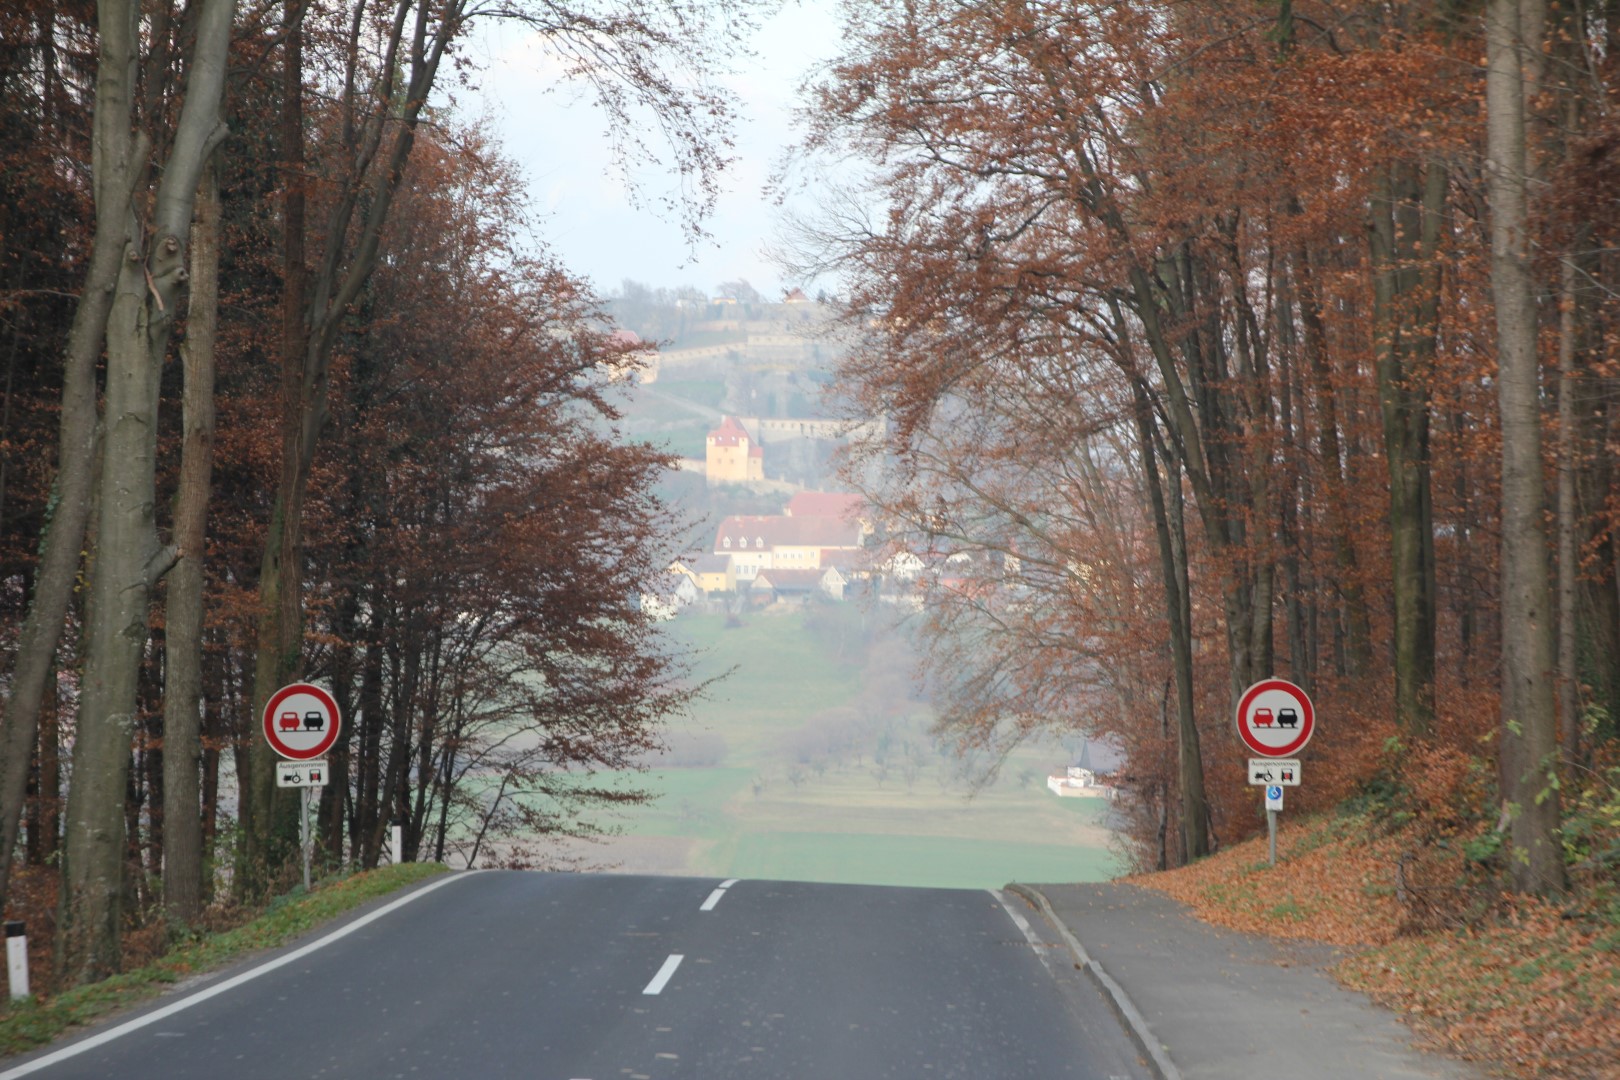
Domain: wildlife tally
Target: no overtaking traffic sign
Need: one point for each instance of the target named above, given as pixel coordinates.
(301, 721)
(1275, 718)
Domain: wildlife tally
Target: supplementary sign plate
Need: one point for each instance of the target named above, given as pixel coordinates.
(300, 774)
(1281, 771)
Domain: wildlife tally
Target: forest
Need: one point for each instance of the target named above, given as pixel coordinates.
(1235, 340)
(292, 392)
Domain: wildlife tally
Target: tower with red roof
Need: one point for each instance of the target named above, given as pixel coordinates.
(732, 457)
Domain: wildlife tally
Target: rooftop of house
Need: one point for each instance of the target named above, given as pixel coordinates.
(704, 563)
(843, 505)
(763, 532)
(729, 433)
(790, 579)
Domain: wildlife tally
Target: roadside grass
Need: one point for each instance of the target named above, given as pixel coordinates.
(1532, 990)
(34, 1022)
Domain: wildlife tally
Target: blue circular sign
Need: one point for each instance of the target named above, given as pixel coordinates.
(1274, 791)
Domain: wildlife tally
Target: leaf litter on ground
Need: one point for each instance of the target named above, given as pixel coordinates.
(1529, 989)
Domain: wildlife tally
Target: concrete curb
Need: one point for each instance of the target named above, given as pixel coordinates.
(1139, 1027)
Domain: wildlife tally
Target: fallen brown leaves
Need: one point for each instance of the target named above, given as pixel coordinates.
(1334, 882)
(1533, 989)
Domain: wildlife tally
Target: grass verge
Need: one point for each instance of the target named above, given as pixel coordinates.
(25, 1025)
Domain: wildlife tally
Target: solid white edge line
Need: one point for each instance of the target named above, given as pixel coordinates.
(729, 883)
(229, 984)
(1141, 1030)
(714, 898)
(665, 973)
(1018, 921)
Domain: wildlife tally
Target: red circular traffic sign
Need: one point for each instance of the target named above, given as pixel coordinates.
(301, 721)
(1275, 718)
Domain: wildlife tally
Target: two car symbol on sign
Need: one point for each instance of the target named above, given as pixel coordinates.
(310, 721)
(1284, 718)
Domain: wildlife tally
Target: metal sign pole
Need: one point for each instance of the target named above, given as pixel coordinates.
(303, 830)
(1271, 833)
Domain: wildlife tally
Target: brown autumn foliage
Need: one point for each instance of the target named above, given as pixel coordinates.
(1072, 204)
(479, 533)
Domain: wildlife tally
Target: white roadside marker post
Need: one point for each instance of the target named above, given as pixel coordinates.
(398, 844)
(17, 958)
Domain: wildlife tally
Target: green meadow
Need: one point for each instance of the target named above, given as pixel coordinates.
(813, 760)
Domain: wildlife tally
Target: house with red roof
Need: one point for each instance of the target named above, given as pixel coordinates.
(842, 505)
(779, 542)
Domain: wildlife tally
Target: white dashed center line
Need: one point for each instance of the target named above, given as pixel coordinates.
(714, 897)
(664, 974)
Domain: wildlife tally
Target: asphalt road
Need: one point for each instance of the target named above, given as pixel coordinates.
(586, 977)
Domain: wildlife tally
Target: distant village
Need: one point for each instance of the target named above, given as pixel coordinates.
(816, 549)
(817, 546)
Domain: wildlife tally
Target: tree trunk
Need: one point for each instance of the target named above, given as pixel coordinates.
(1178, 611)
(1313, 343)
(128, 559)
(182, 699)
(45, 823)
(116, 157)
(1404, 236)
(269, 835)
(215, 733)
(1568, 672)
(1529, 722)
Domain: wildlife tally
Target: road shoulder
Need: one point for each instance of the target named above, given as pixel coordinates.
(1220, 1004)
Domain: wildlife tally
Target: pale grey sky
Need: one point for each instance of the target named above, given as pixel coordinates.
(582, 208)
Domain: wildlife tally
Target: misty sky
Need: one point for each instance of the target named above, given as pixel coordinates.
(583, 210)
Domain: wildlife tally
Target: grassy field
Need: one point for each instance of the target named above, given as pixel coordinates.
(814, 763)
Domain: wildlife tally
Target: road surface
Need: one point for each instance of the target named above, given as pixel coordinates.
(605, 977)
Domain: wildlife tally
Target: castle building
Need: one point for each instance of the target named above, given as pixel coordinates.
(731, 456)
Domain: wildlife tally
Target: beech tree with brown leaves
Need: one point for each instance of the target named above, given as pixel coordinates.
(1269, 224)
(488, 544)
(659, 58)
